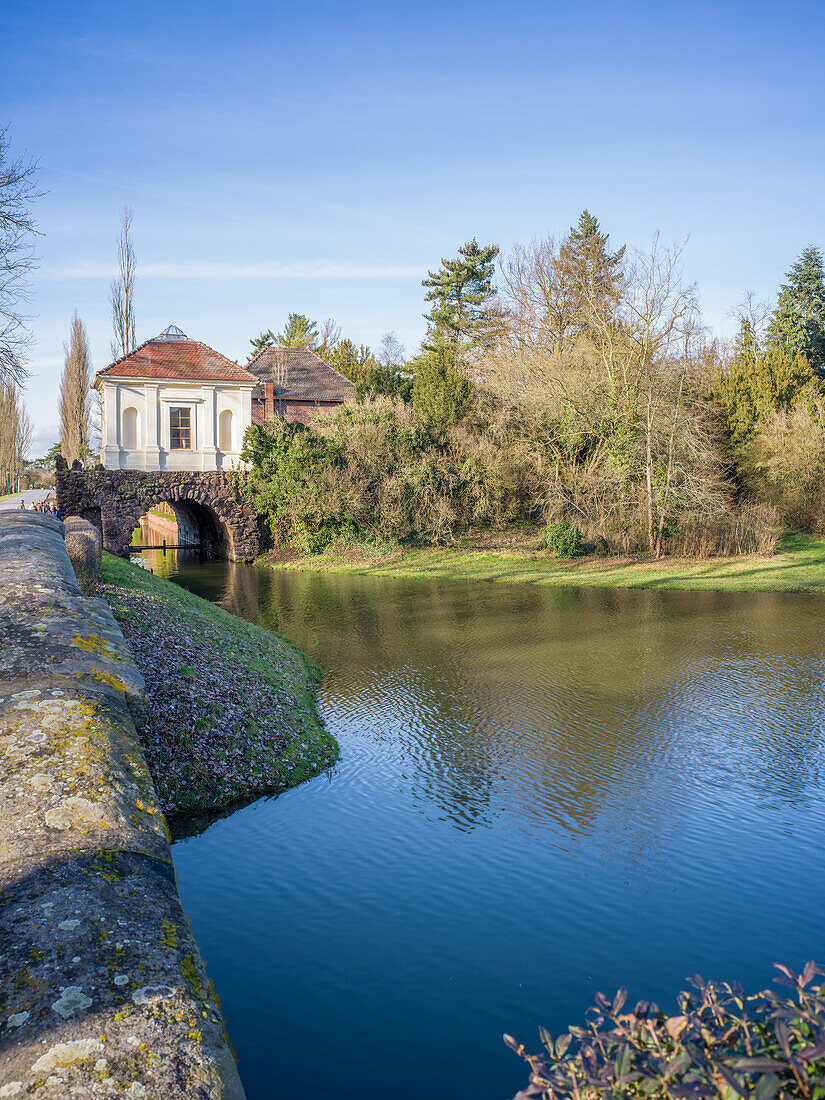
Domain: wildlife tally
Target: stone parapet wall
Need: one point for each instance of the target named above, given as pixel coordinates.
(102, 990)
(84, 544)
(115, 500)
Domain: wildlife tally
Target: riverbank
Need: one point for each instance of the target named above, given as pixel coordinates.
(102, 988)
(231, 706)
(798, 566)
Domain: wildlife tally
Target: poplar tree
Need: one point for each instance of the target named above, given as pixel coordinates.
(75, 395)
(122, 292)
(798, 323)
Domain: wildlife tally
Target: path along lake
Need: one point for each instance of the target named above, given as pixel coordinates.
(542, 793)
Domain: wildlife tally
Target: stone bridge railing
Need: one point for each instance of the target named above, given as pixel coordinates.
(102, 989)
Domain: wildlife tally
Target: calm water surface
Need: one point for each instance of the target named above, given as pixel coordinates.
(541, 793)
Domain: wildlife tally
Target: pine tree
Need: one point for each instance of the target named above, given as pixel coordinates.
(299, 332)
(265, 340)
(798, 322)
(460, 291)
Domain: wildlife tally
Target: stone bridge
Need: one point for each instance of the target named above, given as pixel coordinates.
(209, 507)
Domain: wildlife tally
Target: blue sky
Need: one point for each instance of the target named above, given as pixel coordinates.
(320, 157)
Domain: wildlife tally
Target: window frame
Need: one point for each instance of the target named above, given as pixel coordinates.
(180, 428)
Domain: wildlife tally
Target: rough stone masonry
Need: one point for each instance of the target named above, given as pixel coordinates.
(102, 990)
(208, 505)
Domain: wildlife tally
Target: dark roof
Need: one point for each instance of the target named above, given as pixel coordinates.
(298, 374)
(177, 357)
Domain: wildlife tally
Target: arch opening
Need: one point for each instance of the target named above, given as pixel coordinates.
(130, 435)
(225, 431)
(182, 525)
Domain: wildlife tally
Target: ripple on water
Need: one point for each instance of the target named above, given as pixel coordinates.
(541, 793)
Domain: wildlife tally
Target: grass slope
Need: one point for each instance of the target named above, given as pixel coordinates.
(232, 706)
(799, 565)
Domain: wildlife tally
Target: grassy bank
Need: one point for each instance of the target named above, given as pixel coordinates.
(798, 565)
(232, 706)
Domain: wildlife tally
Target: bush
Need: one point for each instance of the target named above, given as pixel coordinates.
(440, 394)
(721, 1044)
(563, 539)
(751, 529)
(784, 464)
(374, 471)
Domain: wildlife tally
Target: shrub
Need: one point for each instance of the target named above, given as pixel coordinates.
(721, 1044)
(784, 463)
(751, 529)
(440, 394)
(563, 539)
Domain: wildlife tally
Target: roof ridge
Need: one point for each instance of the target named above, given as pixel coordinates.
(159, 358)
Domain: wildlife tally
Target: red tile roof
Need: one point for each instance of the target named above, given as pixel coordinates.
(178, 359)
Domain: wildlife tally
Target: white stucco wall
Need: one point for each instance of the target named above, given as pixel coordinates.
(153, 401)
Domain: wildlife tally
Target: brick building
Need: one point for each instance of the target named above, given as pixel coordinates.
(295, 383)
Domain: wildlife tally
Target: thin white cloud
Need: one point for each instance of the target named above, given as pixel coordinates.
(43, 438)
(213, 271)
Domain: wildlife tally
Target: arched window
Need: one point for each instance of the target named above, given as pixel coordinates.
(131, 429)
(225, 430)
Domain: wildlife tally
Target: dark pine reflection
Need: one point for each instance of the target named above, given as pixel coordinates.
(542, 792)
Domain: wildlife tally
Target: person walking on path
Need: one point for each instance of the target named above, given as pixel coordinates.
(21, 506)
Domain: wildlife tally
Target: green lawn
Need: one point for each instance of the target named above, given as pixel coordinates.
(799, 565)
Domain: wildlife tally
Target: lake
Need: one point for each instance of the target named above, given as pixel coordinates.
(542, 793)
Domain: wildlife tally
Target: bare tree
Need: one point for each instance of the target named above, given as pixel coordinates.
(607, 384)
(15, 438)
(17, 228)
(75, 401)
(541, 296)
(122, 291)
(329, 338)
(754, 312)
(391, 351)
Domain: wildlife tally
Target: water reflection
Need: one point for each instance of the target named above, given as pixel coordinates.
(541, 792)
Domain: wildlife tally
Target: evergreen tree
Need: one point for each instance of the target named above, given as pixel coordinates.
(798, 323)
(460, 292)
(379, 380)
(755, 384)
(299, 332)
(265, 340)
(350, 360)
(594, 272)
(440, 393)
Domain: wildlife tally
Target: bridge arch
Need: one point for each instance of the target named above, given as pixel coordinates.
(195, 526)
(210, 504)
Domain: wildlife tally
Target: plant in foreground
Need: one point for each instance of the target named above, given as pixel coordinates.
(722, 1044)
(563, 539)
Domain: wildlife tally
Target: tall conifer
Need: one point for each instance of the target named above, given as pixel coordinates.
(461, 290)
(798, 323)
